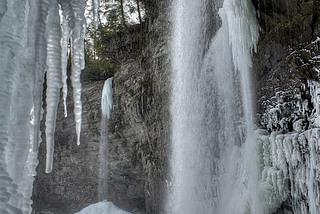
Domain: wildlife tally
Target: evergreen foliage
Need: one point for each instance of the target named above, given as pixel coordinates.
(115, 16)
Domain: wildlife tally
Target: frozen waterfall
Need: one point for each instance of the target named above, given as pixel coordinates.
(213, 166)
(106, 98)
(34, 37)
(106, 108)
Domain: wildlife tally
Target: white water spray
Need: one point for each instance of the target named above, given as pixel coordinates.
(213, 166)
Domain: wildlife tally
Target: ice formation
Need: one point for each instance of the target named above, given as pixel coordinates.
(106, 99)
(295, 109)
(34, 36)
(289, 159)
(103, 207)
(291, 109)
(106, 108)
(290, 166)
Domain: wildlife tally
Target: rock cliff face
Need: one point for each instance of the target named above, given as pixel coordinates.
(73, 183)
(139, 126)
(138, 130)
(286, 59)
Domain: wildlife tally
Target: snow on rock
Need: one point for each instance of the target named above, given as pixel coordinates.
(298, 102)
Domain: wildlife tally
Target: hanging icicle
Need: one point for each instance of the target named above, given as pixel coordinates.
(33, 40)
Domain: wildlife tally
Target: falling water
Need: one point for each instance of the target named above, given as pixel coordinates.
(213, 166)
(106, 108)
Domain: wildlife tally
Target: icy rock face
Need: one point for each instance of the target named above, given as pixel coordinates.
(75, 168)
(30, 44)
(290, 160)
(287, 84)
(293, 109)
(138, 135)
(287, 58)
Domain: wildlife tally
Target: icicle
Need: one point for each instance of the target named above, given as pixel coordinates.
(16, 100)
(77, 52)
(39, 66)
(315, 99)
(53, 78)
(24, 30)
(3, 8)
(67, 12)
(64, 60)
(95, 4)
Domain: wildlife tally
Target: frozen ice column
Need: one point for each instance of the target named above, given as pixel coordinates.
(106, 99)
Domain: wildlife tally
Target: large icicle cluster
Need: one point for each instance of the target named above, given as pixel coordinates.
(34, 37)
(290, 166)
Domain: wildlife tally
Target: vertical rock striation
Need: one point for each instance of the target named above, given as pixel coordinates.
(138, 141)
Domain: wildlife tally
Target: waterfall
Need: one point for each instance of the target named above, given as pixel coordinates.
(106, 108)
(213, 166)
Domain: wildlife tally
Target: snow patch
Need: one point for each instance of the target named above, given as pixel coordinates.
(103, 207)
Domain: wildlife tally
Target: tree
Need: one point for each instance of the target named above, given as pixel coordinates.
(115, 16)
(139, 13)
(122, 13)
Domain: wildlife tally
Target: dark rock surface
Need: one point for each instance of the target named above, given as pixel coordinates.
(139, 126)
(73, 182)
